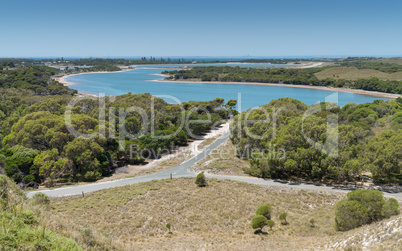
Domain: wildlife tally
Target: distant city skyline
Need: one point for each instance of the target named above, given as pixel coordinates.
(288, 29)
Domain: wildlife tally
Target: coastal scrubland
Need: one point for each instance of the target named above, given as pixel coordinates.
(217, 216)
(374, 138)
(37, 147)
(338, 77)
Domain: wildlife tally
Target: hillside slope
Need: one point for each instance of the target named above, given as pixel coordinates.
(23, 229)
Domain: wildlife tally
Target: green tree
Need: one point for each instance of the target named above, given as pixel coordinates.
(264, 210)
(83, 153)
(390, 208)
(270, 224)
(363, 207)
(2, 164)
(19, 164)
(259, 222)
(231, 104)
(312, 221)
(200, 180)
(373, 200)
(51, 166)
(383, 155)
(349, 215)
(282, 217)
(168, 226)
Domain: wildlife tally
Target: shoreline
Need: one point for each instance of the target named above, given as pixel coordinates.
(62, 79)
(355, 91)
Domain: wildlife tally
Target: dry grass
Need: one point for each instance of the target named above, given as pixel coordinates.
(395, 60)
(223, 160)
(175, 160)
(214, 217)
(352, 73)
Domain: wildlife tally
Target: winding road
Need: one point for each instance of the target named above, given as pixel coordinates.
(182, 171)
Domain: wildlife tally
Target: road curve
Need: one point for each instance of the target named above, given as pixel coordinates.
(177, 172)
(182, 171)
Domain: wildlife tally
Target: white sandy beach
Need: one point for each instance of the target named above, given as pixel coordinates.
(63, 81)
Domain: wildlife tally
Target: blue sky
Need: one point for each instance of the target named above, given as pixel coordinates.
(38, 28)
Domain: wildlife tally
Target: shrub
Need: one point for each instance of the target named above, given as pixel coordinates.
(168, 226)
(349, 215)
(282, 217)
(41, 199)
(28, 217)
(312, 221)
(371, 199)
(200, 180)
(363, 207)
(264, 210)
(391, 207)
(258, 222)
(270, 223)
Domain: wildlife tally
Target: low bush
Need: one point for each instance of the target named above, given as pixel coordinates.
(363, 207)
(391, 207)
(259, 222)
(200, 180)
(264, 210)
(41, 199)
(282, 217)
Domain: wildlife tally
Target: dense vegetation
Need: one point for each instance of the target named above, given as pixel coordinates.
(96, 68)
(296, 142)
(37, 148)
(281, 76)
(20, 227)
(34, 78)
(126, 62)
(363, 207)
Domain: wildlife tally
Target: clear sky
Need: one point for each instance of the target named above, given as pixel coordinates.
(84, 28)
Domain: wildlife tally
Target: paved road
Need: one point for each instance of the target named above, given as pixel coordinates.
(182, 171)
(177, 172)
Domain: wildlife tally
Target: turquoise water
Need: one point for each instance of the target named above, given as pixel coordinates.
(140, 81)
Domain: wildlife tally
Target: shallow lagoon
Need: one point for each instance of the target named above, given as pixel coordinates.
(140, 79)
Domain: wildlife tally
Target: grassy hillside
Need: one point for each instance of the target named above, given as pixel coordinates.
(352, 73)
(217, 216)
(22, 226)
(393, 60)
(213, 217)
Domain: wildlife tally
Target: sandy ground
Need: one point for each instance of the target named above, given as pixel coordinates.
(186, 152)
(63, 81)
(310, 65)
